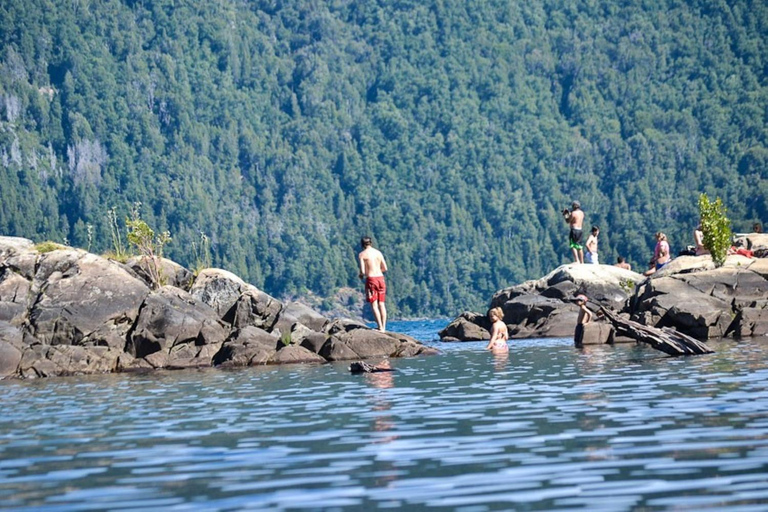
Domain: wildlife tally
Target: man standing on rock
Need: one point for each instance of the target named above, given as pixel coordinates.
(591, 255)
(575, 219)
(372, 268)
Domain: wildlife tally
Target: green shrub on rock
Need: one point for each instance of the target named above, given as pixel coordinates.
(716, 228)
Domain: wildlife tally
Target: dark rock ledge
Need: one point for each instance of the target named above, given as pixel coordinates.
(690, 295)
(69, 312)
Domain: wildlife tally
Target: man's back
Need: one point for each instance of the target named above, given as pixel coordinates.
(576, 219)
(372, 263)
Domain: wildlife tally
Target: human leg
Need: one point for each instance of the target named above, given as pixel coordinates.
(377, 314)
(383, 315)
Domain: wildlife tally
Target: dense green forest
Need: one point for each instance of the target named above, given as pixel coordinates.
(451, 131)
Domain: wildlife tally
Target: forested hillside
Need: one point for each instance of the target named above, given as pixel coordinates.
(452, 131)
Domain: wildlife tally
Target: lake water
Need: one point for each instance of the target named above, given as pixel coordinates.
(549, 427)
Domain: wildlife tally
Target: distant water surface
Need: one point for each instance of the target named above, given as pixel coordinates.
(547, 428)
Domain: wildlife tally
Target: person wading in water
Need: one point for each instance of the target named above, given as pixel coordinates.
(372, 268)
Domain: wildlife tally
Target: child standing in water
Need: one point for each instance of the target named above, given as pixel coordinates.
(499, 332)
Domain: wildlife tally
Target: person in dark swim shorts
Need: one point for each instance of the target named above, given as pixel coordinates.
(575, 218)
(574, 239)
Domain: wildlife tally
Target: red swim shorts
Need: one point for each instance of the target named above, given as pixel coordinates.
(375, 289)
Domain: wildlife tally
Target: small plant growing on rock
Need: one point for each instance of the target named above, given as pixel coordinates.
(202, 253)
(118, 249)
(716, 228)
(627, 285)
(149, 245)
(48, 246)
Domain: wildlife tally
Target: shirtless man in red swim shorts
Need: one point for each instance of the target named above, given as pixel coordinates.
(372, 268)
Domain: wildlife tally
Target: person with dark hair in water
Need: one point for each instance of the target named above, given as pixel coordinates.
(575, 218)
(585, 316)
(372, 268)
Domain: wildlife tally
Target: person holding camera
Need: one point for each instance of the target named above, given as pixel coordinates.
(575, 219)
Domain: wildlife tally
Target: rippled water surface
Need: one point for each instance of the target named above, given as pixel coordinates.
(547, 428)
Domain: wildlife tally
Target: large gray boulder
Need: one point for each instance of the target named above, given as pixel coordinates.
(249, 346)
(170, 272)
(256, 308)
(218, 288)
(50, 361)
(176, 330)
(369, 343)
(598, 333)
(604, 284)
(83, 299)
(467, 327)
(703, 301)
(11, 246)
(298, 312)
(14, 296)
(11, 346)
(292, 354)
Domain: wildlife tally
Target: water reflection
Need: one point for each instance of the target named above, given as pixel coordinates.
(500, 360)
(544, 427)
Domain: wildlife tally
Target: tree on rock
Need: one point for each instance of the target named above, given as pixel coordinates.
(716, 228)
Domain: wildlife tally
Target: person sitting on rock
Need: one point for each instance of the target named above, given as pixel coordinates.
(698, 239)
(585, 316)
(660, 254)
(622, 263)
(757, 228)
(499, 331)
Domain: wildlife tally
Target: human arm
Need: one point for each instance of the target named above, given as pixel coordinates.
(494, 334)
(361, 264)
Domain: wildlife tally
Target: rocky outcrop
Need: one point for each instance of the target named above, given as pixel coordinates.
(78, 298)
(542, 308)
(67, 312)
(689, 295)
(174, 330)
(702, 301)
